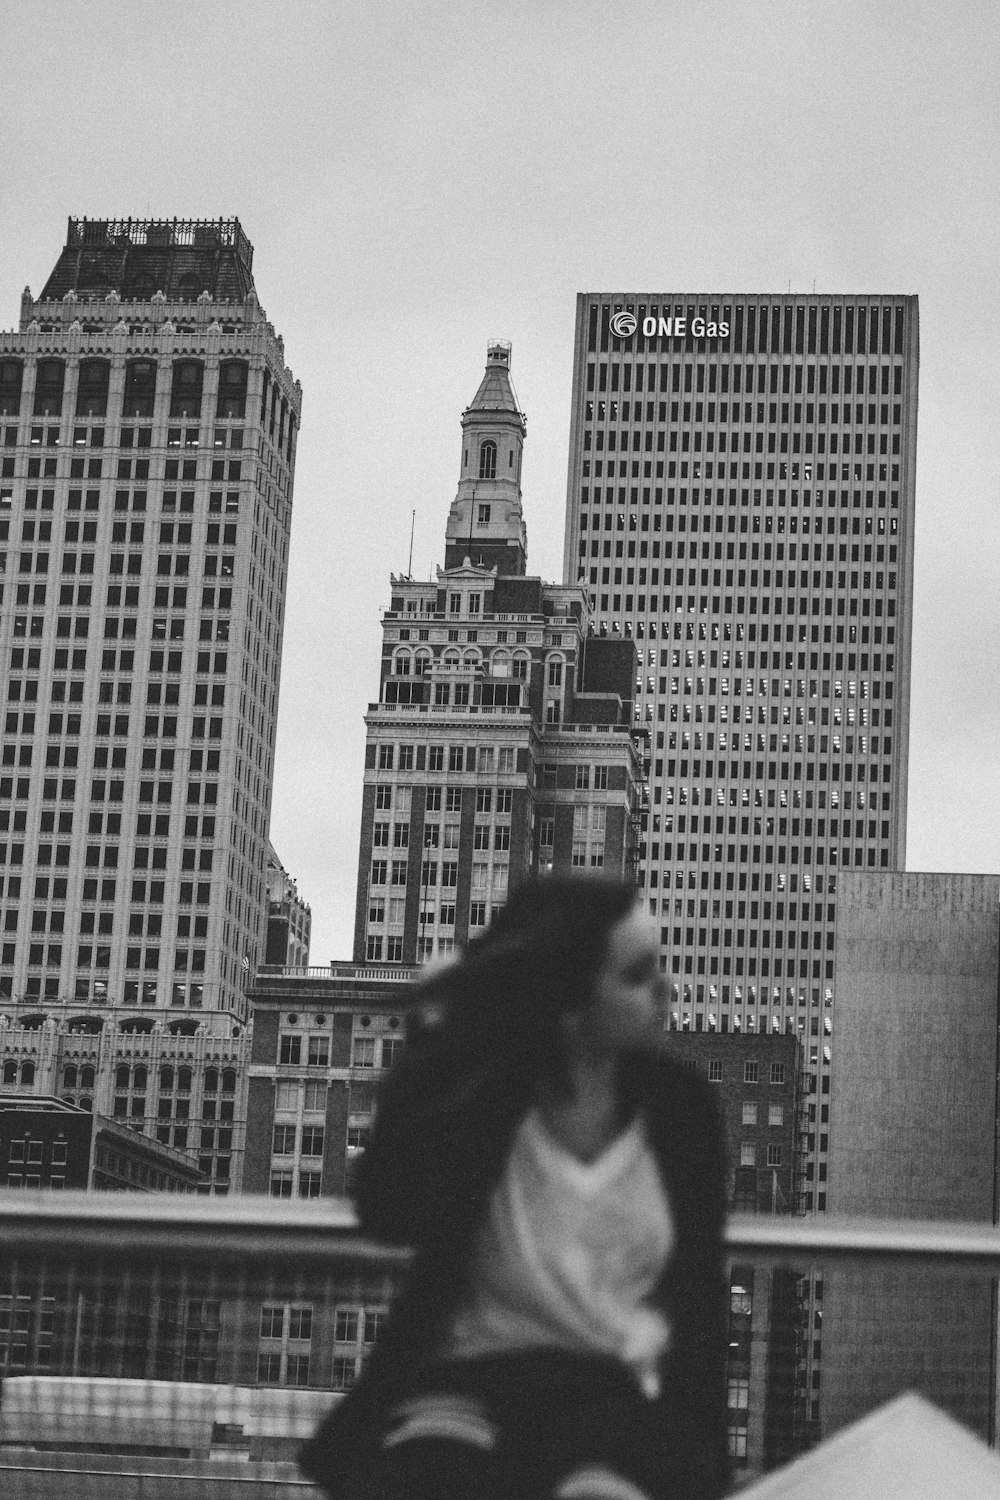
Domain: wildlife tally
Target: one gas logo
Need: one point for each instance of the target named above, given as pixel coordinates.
(622, 325)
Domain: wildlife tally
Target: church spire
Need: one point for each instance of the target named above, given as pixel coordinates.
(485, 523)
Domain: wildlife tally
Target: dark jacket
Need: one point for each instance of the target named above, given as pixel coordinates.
(445, 1124)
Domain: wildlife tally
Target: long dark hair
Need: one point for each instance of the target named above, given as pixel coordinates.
(536, 962)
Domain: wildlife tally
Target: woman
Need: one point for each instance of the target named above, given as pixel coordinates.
(561, 1332)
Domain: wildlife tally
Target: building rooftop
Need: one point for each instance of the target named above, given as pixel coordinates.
(496, 393)
(136, 258)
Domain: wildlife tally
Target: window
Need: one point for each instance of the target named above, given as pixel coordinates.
(583, 778)
(488, 459)
(392, 1046)
(319, 1051)
(283, 1143)
(777, 1072)
(776, 1114)
(600, 778)
(774, 1156)
(345, 1325)
(750, 1072)
(748, 1154)
(286, 1095)
(715, 1071)
(363, 1055)
(749, 1114)
(281, 1184)
(315, 1100)
(290, 1049)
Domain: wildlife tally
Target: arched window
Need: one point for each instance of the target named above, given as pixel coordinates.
(87, 1079)
(10, 1072)
(140, 388)
(233, 375)
(121, 1077)
(229, 1081)
(50, 375)
(401, 664)
(500, 664)
(11, 373)
(140, 287)
(185, 389)
(27, 1072)
(211, 1082)
(184, 1080)
(166, 1078)
(139, 1078)
(69, 1077)
(488, 459)
(92, 388)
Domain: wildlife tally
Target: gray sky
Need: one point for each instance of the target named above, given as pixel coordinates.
(419, 178)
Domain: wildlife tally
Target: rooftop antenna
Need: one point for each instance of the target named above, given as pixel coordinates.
(413, 522)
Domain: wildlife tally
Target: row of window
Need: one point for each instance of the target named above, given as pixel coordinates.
(366, 1052)
(459, 757)
(139, 395)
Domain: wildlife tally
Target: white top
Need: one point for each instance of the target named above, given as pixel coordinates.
(570, 1253)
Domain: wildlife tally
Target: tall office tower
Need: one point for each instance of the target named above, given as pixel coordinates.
(148, 425)
(503, 737)
(740, 503)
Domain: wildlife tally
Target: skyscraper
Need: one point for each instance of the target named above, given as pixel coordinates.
(503, 738)
(148, 426)
(740, 503)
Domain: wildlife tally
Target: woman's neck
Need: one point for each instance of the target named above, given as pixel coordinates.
(586, 1118)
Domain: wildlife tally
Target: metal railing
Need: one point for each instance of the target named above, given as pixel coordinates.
(259, 1228)
(207, 1335)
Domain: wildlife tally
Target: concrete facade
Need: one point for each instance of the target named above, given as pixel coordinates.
(914, 1135)
(740, 503)
(147, 447)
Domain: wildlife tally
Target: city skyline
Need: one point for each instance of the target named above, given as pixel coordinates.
(388, 259)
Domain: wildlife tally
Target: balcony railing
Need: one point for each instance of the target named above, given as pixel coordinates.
(204, 1337)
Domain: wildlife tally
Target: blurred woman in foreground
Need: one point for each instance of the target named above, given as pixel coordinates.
(561, 1332)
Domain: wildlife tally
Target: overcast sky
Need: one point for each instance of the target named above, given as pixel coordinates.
(419, 178)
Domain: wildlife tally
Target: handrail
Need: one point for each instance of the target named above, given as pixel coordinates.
(259, 1229)
(247, 1228)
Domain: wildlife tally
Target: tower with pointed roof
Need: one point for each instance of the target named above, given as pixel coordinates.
(486, 524)
(502, 741)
